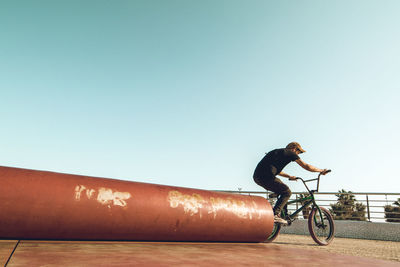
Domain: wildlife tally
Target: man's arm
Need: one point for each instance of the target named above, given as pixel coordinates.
(309, 167)
(287, 176)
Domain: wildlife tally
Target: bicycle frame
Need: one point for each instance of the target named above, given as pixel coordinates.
(309, 200)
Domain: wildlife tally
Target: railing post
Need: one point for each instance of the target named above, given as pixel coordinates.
(369, 216)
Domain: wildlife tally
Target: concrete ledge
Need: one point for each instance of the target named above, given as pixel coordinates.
(352, 229)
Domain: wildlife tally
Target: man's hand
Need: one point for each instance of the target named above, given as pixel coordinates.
(292, 178)
(325, 171)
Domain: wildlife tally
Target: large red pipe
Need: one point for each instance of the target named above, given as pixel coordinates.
(48, 205)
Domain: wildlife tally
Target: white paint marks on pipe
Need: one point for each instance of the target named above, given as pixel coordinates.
(195, 204)
(191, 203)
(105, 196)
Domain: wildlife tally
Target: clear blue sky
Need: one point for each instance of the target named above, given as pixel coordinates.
(193, 93)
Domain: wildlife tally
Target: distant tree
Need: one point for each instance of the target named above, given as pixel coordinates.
(392, 213)
(346, 207)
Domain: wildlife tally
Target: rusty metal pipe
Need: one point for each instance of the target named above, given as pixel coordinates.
(48, 205)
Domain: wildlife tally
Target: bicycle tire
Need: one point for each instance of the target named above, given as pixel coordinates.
(315, 229)
(275, 232)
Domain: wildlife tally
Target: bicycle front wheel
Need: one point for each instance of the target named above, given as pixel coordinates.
(275, 233)
(321, 226)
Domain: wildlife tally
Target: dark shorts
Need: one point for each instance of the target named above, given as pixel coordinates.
(273, 184)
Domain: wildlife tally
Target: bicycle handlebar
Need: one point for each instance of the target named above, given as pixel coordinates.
(319, 175)
(305, 181)
(315, 179)
(326, 172)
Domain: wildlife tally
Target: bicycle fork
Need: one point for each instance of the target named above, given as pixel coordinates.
(321, 223)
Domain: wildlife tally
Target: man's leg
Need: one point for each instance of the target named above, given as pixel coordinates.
(283, 191)
(277, 186)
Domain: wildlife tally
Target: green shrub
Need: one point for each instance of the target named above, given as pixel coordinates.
(346, 207)
(392, 213)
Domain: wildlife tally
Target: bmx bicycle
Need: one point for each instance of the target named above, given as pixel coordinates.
(320, 221)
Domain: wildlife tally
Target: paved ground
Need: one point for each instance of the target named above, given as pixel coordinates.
(6, 248)
(287, 250)
(386, 250)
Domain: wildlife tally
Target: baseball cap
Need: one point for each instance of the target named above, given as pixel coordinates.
(295, 145)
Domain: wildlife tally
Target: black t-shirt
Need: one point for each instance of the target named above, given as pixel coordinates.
(274, 162)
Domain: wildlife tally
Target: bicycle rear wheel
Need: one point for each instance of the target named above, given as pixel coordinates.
(275, 232)
(322, 230)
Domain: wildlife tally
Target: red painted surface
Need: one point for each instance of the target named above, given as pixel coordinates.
(47, 205)
(67, 253)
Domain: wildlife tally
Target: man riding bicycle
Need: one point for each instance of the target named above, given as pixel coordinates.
(271, 165)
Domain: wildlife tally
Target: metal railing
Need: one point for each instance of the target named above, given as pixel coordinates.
(378, 206)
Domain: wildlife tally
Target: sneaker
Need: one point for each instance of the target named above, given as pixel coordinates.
(278, 219)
